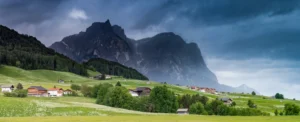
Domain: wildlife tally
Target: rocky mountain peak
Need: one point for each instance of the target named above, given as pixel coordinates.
(100, 27)
(165, 57)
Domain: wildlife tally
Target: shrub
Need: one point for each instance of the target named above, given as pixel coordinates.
(19, 86)
(251, 104)
(291, 109)
(233, 104)
(75, 87)
(86, 90)
(281, 113)
(163, 100)
(276, 112)
(253, 93)
(118, 97)
(102, 91)
(118, 83)
(16, 93)
(197, 108)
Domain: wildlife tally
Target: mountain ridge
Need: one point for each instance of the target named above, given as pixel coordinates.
(165, 57)
(27, 52)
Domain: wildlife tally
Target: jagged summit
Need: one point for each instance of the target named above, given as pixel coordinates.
(100, 27)
(165, 57)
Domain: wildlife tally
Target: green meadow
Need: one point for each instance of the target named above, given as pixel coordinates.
(161, 118)
(84, 109)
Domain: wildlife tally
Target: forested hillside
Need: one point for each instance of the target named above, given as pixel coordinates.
(28, 53)
(114, 68)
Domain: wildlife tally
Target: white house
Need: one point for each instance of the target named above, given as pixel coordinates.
(202, 90)
(133, 93)
(182, 111)
(55, 92)
(7, 88)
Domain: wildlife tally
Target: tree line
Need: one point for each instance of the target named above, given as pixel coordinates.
(27, 52)
(114, 68)
(162, 100)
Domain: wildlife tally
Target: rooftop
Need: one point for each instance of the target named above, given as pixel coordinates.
(7, 86)
(182, 109)
(38, 87)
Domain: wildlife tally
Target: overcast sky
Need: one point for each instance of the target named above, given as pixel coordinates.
(252, 42)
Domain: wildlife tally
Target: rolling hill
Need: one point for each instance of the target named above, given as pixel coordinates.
(48, 79)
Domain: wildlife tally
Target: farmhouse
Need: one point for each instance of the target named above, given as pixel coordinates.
(99, 77)
(7, 88)
(140, 91)
(55, 92)
(182, 111)
(207, 90)
(193, 88)
(67, 92)
(143, 91)
(107, 77)
(61, 81)
(133, 93)
(37, 91)
(226, 100)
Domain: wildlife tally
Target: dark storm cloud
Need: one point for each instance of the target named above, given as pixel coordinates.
(27, 11)
(277, 44)
(215, 12)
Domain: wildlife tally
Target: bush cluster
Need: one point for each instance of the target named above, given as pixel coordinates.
(217, 107)
(16, 93)
(162, 100)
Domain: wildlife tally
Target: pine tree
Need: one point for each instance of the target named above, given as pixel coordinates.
(253, 93)
(19, 86)
(276, 112)
(118, 83)
(103, 77)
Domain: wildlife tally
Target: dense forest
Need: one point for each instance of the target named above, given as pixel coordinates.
(114, 68)
(28, 53)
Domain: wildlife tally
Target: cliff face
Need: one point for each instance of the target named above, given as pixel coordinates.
(165, 57)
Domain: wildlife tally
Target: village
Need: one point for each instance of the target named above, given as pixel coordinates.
(40, 91)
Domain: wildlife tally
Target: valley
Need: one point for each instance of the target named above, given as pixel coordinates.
(83, 106)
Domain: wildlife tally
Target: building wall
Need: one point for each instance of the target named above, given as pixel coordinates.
(37, 93)
(134, 94)
(6, 90)
(55, 93)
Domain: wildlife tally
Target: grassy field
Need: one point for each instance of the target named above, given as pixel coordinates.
(50, 109)
(169, 118)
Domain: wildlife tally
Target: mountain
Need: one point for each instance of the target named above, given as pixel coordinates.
(165, 57)
(28, 53)
(246, 89)
(100, 40)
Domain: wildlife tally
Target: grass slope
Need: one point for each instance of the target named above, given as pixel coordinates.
(80, 106)
(169, 118)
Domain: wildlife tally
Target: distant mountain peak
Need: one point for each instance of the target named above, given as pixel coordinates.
(165, 57)
(246, 88)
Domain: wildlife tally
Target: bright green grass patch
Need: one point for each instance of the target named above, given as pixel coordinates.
(165, 118)
(92, 73)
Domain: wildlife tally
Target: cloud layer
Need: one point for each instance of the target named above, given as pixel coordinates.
(253, 42)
